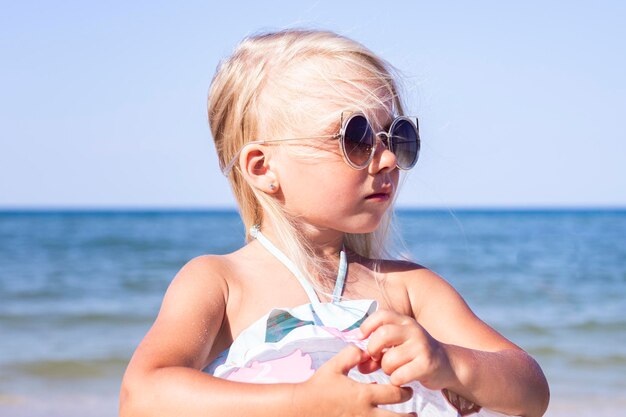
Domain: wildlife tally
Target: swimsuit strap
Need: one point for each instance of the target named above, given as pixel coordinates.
(341, 276)
(255, 232)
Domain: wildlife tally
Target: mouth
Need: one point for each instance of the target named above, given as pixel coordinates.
(379, 196)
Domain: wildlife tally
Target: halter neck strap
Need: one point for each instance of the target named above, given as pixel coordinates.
(255, 232)
(341, 276)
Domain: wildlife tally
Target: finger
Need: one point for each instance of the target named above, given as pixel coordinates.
(389, 394)
(399, 356)
(369, 366)
(346, 359)
(405, 374)
(385, 337)
(379, 318)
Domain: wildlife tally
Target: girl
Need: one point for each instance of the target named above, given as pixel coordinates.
(311, 133)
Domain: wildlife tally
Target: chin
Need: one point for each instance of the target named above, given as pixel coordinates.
(367, 226)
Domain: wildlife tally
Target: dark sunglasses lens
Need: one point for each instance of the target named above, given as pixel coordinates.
(358, 140)
(405, 143)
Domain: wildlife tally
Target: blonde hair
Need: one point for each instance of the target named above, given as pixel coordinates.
(266, 72)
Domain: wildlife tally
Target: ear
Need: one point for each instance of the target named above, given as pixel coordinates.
(256, 168)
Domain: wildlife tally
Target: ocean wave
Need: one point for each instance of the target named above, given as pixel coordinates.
(578, 358)
(70, 369)
(64, 319)
(549, 327)
(597, 325)
(598, 361)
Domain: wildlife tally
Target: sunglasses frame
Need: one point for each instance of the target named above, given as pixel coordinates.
(388, 144)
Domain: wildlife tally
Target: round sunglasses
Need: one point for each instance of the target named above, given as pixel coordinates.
(358, 141)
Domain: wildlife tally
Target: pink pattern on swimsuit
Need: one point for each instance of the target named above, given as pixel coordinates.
(293, 368)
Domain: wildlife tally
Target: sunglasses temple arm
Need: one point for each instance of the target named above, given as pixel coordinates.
(231, 164)
(233, 161)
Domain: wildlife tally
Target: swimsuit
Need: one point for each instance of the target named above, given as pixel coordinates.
(287, 345)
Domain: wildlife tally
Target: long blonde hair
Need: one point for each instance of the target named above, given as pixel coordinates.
(263, 73)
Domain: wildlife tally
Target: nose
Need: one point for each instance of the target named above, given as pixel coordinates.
(384, 159)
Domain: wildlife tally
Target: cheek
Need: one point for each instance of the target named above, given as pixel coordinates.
(308, 189)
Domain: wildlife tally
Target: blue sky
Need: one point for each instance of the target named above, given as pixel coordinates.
(520, 104)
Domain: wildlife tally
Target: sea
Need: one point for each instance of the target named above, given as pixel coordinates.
(80, 289)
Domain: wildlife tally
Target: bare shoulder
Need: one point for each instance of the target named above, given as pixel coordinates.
(405, 269)
(413, 276)
(190, 316)
(441, 310)
(422, 285)
(206, 272)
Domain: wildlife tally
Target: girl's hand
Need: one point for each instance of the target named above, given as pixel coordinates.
(405, 351)
(330, 392)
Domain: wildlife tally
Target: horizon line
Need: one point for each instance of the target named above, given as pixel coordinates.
(233, 209)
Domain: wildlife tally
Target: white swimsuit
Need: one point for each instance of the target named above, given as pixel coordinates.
(288, 344)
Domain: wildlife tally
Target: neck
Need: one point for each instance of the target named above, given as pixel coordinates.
(325, 243)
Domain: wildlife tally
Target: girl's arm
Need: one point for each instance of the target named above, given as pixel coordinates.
(164, 377)
(447, 346)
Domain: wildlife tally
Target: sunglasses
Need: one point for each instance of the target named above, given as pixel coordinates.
(358, 141)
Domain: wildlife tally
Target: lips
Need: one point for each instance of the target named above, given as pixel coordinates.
(378, 196)
(382, 192)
